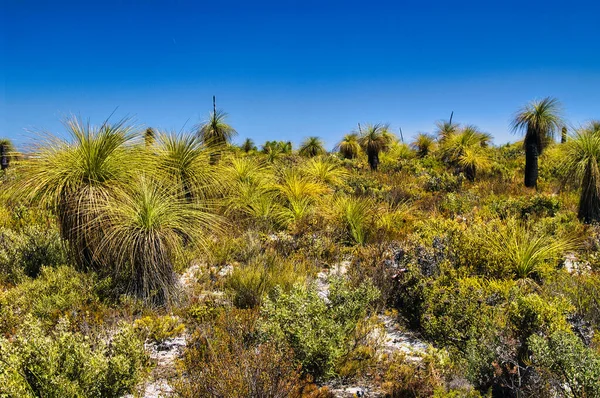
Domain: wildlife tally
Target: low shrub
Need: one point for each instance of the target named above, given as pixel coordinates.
(566, 365)
(24, 253)
(56, 293)
(317, 330)
(250, 282)
(158, 328)
(61, 363)
(225, 358)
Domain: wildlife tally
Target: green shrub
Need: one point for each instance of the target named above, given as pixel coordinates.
(250, 282)
(566, 364)
(318, 331)
(57, 292)
(25, 252)
(540, 205)
(533, 314)
(459, 310)
(443, 182)
(224, 358)
(158, 328)
(66, 364)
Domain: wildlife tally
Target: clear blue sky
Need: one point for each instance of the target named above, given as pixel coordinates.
(290, 69)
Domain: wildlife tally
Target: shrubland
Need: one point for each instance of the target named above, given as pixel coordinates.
(279, 266)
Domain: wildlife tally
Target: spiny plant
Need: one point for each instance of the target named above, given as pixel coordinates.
(466, 148)
(424, 144)
(445, 129)
(149, 137)
(356, 215)
(540, 120)
(145, 227)
(298, 193)
(581, 164)
(215, 133)
(6, 152)
(529, 254)
(248, 145)
(311, 147)
(349, 146)
(325, 171)
(71, 176)
(374, 139)
(293, 186)
(274, 149)
(183, 160)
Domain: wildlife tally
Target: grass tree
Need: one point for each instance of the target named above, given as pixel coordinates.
(581, 164)
(529, 254)
(184, 161)
(146, 226)
(248, 145)
(274, 149)
(325, 171)
(215, 133)
(349, 147)
(149, 137)
(540, 120)
(311, 147)
(374, 139)
(445, 129)
(467, 149)
(72, 176)
(6, 151)
(423, 144)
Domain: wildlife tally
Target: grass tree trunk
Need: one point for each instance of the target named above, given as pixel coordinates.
(470, 173)
(531, 164)
(373, 158)
(589, 201)
(4, 157)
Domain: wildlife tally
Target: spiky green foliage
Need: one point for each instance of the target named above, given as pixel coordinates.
(540, 120)
(424, 144)
(248, 145)
(581, 165)
(275, 149)
(215, 132)
(250, 190)
(374, 139)
(356, 214)
(325, 171)
(349, 147)
(183, 160)
(71, 176)
(445, 129)
(466, 148)
(529, 253)
(145, 227)
(311, 147)
(298, 194)
(149, 137)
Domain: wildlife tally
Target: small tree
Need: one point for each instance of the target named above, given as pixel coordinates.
(349, 147)
(540, 120)
(582, 165)
(311, 147)
(374, 139)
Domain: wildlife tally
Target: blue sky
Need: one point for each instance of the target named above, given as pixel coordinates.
(290, 69)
